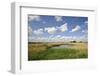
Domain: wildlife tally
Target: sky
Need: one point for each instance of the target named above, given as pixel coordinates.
(46, 28)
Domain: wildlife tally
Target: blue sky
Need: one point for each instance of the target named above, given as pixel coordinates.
(57, 28)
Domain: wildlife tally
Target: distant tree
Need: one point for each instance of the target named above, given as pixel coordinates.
(73, 41)
(80, 42)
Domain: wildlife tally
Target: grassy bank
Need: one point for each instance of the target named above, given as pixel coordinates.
(44, 51)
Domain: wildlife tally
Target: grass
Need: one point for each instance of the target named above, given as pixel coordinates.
(44, 51)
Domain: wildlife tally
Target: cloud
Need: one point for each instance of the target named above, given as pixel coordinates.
(30, 31)
(50, 30)
(34, 18)
(58, 18)
(77, 28)
(38, 31)
(86, 22)
(31, 38)
(85, 31)
(63, 27)
(58, 38)
(53, 30)
(37, 39)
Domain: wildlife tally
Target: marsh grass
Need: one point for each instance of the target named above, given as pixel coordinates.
(43, 51)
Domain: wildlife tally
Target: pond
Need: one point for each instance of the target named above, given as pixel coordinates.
(61, 46)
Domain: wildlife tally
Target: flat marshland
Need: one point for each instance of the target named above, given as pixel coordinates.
(57, 50)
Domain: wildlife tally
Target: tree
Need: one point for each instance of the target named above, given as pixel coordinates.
(73, 41)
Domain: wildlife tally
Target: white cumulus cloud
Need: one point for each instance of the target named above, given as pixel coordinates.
(58, 18)
(30, 31)
(50, 30)
(84, 31)
(38, 31)
(34, 18)
(53, 30)
(63, 27)
(77, 28)
(86, 22)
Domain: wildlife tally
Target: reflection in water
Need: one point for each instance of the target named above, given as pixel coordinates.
(61, 46)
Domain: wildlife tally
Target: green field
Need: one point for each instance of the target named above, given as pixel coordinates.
(53, 50)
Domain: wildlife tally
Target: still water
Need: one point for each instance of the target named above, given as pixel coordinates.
(61, 46)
